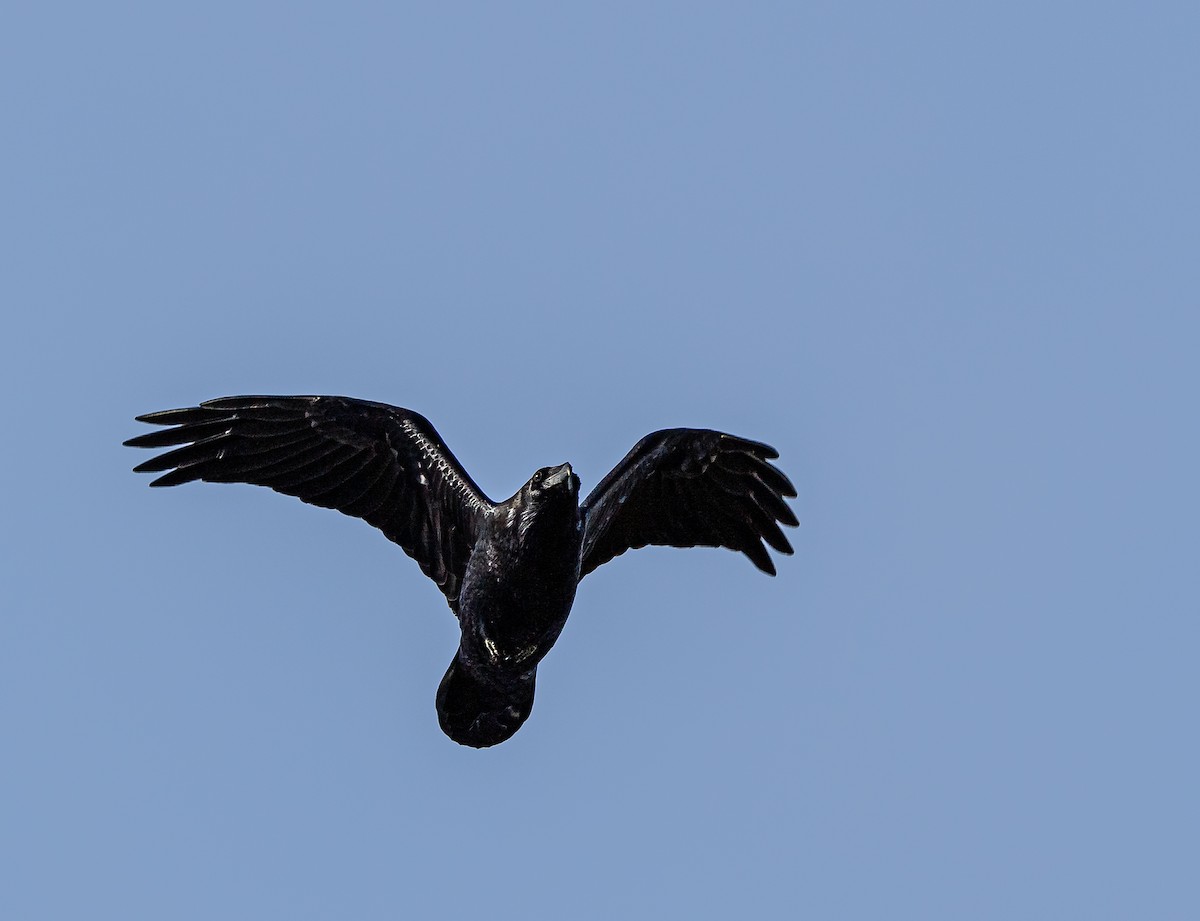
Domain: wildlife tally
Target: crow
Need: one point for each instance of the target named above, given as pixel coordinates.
(508, 569)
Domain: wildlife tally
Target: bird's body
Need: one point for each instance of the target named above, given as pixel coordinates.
(509, 570)
(517, 591)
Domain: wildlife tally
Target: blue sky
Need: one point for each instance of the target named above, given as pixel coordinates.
(942, 256)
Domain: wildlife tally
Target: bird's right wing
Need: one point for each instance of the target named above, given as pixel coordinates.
(380, 463)
(690, 488)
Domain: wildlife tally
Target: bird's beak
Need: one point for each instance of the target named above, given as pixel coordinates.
(557, 475)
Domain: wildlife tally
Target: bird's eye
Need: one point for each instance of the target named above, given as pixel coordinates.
(538, 477)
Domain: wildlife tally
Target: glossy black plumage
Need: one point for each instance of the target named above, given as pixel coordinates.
(509, 570)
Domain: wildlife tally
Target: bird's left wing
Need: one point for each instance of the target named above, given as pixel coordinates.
(383, 464)
(690, 488)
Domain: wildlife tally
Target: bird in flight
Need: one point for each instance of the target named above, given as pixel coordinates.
(508, 569)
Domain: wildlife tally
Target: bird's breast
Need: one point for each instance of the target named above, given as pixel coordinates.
(513, 605)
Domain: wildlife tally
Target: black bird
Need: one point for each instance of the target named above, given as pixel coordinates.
(508, 570)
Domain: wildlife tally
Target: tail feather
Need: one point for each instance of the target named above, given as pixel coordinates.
(480, 714)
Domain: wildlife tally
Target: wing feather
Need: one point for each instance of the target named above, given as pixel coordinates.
(383, 464)
(690, 488)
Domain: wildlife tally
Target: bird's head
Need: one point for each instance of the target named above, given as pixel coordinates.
(553, 483)
(548, 501)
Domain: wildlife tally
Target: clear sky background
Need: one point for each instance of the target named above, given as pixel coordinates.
(943, 256)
